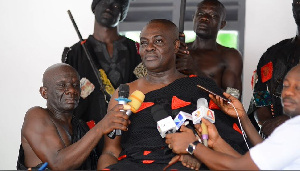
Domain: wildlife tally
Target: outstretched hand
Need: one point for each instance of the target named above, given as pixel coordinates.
(228, 108)
(114, 119)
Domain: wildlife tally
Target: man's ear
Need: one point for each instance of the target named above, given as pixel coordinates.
(223, 24)
(43, 92)
(177, 45)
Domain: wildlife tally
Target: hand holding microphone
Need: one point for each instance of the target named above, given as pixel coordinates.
(135, 101)
(203, 112)
(122, 99)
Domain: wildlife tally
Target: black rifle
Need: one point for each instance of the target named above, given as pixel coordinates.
(181, 19)
(88, 55)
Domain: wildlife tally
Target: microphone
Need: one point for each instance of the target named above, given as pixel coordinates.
(165, 123)
(122, 99)
(203, 112)
(182, 119)
(136, 99)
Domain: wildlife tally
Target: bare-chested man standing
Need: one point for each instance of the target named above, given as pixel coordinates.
(204, 55)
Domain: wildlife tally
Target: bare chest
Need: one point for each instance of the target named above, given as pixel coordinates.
(64, 132)
(210, 63)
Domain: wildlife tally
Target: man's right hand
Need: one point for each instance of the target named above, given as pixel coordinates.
(184, 61)
(114, 119)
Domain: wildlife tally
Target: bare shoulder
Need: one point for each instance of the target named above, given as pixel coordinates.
(231, 56)
(35, 117)
(135, 85)
(36, 112)
(230, 53)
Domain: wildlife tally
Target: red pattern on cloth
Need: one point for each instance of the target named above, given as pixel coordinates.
(178, 103)
(147, 152)
(236, 127)
(193, 76)
(83, 42)
(122, 157)
(212, 105)
(91, 124)
(266, 72)
(145, 105)
(148, 161)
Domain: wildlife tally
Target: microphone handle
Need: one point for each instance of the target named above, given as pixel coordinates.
(113, 133)
(204, 134)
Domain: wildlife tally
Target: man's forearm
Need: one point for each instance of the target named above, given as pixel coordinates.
(250, 130)
(223, 147)
(74, 155)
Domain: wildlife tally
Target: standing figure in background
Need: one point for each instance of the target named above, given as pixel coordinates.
(205, 56)
(114, 54)
(115, 57)
(268, 79)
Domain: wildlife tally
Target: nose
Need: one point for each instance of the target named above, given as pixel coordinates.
(204, 18)
(288, 91)
(70, 89)
(150, 47)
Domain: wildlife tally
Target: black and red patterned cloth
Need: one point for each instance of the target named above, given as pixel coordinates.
(143, 147)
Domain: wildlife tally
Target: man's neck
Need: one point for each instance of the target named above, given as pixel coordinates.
(105, 34)
(165, 77)
(62, 116)
(201, 43)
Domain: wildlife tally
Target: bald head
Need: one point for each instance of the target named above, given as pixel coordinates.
(56, 69)
(166, 25)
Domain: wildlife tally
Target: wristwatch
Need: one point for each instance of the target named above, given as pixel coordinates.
(192, 146)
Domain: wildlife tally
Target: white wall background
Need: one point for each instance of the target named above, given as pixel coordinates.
(33, 34)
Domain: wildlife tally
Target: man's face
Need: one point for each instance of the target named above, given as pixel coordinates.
(108, 12)
(290, 96)
(157, 47)
(208, 20)
(63, 91)
(296, 11)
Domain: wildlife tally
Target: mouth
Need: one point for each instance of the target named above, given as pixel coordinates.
(288, 102)
(202, 26)
(150, 57)
(71, 101)
(107, 13)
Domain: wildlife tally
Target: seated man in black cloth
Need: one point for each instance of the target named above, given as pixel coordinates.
(141, 147)
(54, 135)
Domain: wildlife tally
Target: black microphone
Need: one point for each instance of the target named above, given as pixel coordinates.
(165, 123)
(123, 95)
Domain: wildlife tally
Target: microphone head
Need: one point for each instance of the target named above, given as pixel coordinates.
(137, 98)
(158, 113)
(123, 90)
(202, 102)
